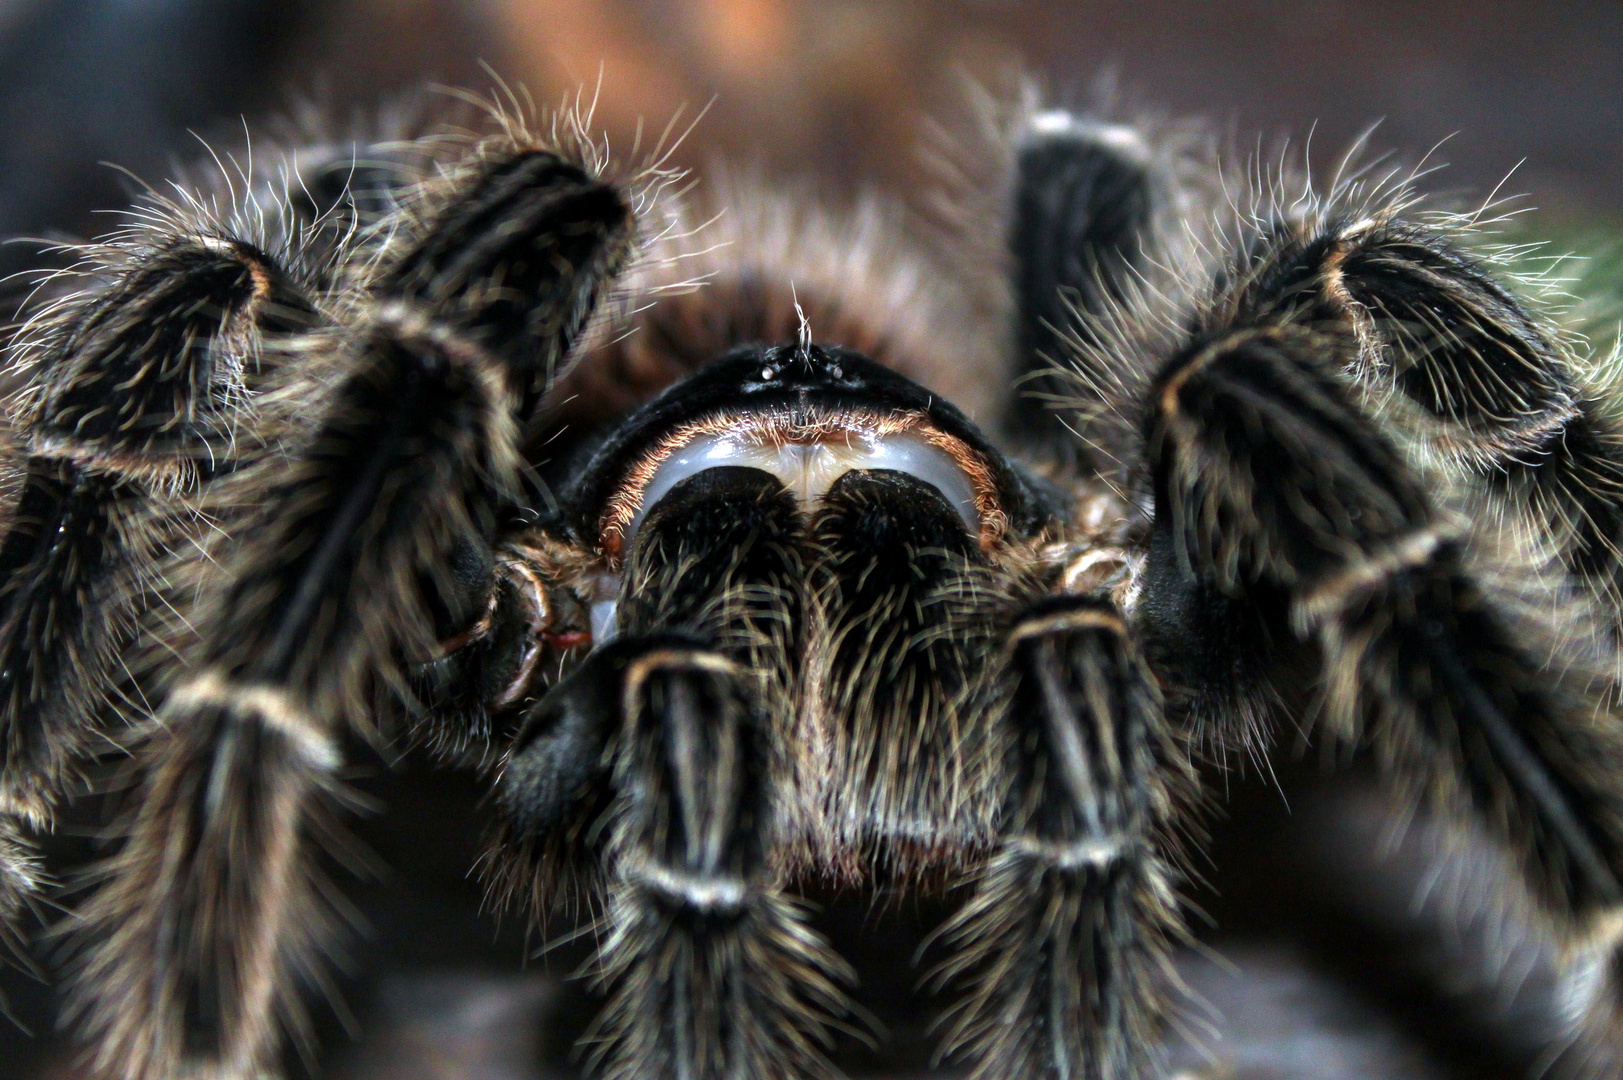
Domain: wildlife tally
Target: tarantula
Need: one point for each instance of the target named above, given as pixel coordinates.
(733, 603)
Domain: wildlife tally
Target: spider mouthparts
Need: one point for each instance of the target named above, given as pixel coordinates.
(574, 639)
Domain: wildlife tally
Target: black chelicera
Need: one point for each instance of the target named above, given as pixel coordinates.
(732, 606)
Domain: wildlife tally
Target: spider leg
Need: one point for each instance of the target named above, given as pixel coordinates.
(1086, 195)
(709, 969)
(1061, 948)
(135, 398)
(1275, 489)
(1483, 386)
(211, 913)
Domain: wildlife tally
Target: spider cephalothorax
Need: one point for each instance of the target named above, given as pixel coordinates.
(731, 606)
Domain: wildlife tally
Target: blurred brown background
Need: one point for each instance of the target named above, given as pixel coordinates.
(833, 87)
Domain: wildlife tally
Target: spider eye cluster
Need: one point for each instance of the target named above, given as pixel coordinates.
(807, 416)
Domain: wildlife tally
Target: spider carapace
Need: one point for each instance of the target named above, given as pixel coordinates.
(684, 540)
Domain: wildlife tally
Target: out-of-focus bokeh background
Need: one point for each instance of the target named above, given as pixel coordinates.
(832, 87)
(1331, 966)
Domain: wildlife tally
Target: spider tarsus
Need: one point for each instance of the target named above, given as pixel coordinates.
(1263, 469)
(1086, 195)
(1571, 487)
(516, 256)
(154, 372)
(1436, 326)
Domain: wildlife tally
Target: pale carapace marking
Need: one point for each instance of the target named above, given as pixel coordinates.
(850, 433)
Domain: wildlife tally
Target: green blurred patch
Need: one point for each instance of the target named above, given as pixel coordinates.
(1593, 267)
(1583, 259)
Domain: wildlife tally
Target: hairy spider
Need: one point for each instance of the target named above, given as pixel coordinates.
(733, 603)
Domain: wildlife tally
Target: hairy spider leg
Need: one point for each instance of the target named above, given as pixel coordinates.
(135, 400)
(1483, 388)
(1061, 953)
(1271, 484)
(709, 969)
(1086, 198)
(211, 916)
